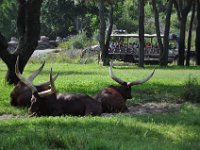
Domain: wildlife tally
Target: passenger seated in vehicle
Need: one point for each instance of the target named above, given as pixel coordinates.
(148, 45)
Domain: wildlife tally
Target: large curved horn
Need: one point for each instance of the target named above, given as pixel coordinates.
(141, 81)
(48, 82)
(23, 79)
(34, 74)
(112, 75)
(53, 87)
(50, 91)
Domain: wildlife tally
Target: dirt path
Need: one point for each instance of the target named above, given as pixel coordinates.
(38, 53)
(147, 108)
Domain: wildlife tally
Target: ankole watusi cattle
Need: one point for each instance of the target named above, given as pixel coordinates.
(50, 103)
(113, 98)
(21, 94)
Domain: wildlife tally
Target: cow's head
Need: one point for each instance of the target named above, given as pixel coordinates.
(40, 99)
(125, 87)
(21, 94)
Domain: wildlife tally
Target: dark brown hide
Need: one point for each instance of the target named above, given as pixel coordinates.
(21, 94)
(114, 98)
(65, 104)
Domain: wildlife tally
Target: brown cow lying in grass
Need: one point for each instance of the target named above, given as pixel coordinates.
(21, 94)
(49, 103)
(113, 98)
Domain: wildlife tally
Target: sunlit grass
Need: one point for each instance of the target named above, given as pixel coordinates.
(166, 84)
(175, 130)
(166, 131)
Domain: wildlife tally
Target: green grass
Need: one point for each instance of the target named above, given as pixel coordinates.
(167, 131)
(178, 130)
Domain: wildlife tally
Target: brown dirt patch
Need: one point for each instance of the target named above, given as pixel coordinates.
(147, 108)
(150, 108)
(8, 116)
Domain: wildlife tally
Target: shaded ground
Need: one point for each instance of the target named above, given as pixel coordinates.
(8, 116)
(147, 108)
(152, 108)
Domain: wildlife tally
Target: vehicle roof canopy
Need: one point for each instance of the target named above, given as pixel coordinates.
(135, 35)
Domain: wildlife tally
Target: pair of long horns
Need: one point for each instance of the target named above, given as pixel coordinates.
(35, 74)
(28, 82)
(121, 82)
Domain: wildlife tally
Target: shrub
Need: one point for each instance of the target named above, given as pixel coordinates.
(191, 90)
(77, 45)
(78, 41)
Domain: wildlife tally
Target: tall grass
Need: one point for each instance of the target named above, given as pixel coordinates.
(192, 90)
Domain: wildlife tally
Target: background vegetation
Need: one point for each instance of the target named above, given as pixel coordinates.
(63, 18)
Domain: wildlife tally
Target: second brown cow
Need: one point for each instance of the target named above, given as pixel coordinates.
(113, 98)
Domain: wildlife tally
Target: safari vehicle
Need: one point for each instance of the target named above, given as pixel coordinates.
(125, 47)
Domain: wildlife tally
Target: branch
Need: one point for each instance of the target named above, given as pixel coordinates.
(187, 8)
(177, 9)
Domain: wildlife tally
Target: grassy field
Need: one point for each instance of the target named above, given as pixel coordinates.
(177, 130)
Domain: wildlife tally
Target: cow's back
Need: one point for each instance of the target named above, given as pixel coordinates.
(111, 100)
(79, 104)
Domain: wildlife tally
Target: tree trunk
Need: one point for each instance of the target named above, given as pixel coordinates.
(28, 25)
(181, 49)
(109, 29)
(102, 32)
(166, 34)
(197, 41)
(182, 13)
(190, 35)
(157, 24)
(141, 33)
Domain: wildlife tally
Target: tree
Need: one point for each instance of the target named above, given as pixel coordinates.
(8, 18)
(28, 26)
(183, 8)
(190, 35)
(141, 33)
(105, 38)
(102, 30)
(166, 33)
(157, 24)
(58, 17)
(197, 41)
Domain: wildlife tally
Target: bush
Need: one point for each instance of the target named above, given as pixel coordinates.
(191, 90)
(78, 41)
(77, 45)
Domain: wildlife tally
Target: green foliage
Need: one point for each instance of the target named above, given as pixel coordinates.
(8, 18)
(78, 41)
(191, 91)
(128, 24)
(91, 24)
(57, 18)
(174, 24)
